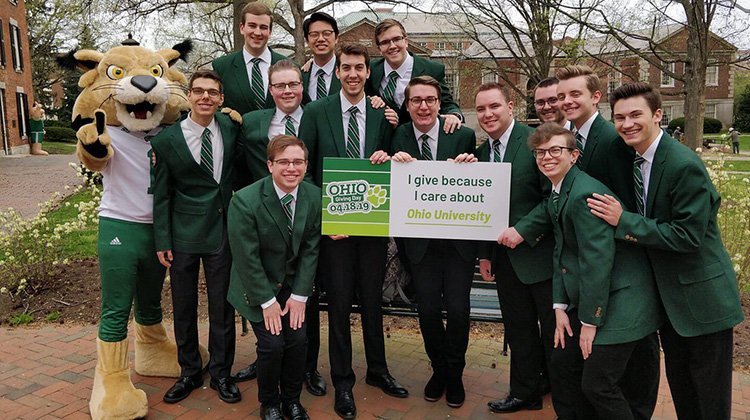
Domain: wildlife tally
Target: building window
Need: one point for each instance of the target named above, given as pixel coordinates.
(450, 80)
(22, 106)
(439, 46)
(456, 46)
(666, 115)
(15, 47)
(613, 81)
(422, 44)
(2, 45)
(710, 111)
(666, 79)
(3, 124)
(489, 77)
(712, 76)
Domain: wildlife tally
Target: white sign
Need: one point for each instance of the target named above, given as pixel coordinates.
(431, 199)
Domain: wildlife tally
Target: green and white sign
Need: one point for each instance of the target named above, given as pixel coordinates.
(420, 199)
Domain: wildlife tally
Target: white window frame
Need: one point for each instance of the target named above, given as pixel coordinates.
(490, 77)
(439, 46)
(706, 112)
(666, 115)
(712, 75)
(666, 80)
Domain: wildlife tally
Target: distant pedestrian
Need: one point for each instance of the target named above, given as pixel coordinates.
(677, 134)
(735, 136)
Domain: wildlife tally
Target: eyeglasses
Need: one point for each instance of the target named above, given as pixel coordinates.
(283, 86)
(286, 162)
(554, 151)
(315, 35)
(212, 93)
(417, 101)
(387, 42)
(551, 101)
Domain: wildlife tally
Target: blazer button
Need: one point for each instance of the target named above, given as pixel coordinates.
(564, 270)
(221, 211)
(627, 237)
(278, 285)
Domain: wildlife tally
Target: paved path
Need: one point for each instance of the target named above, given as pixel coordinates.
(46, 373)
(28, 180)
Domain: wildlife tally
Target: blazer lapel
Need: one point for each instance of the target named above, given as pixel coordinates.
(183, 151)
(336, 122)
(228, 140)
(335, 85)
(445, 147)
(265, 123)
(514, 142)
(412, 147)
(372, 127)
(273, 206)
(300, 219)
(567, 184)
(241, 79)
(377, 73)
(591, 142)
(419, 68)
(657, 170)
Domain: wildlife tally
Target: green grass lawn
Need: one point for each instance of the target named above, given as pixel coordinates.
(58, 148)
(744, 140)
(79, 244)
(737, 165)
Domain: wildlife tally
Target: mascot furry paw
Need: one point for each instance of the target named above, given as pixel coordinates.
(129, 93)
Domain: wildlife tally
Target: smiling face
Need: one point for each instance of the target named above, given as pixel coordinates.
(555, 168)
(288, 168)
(423, 115)
(576, 101)
(494, 112)
(353, 72)
(256, 29)
(204, 105)
(636, 123)
(321, 44)
(287, 99)
(392, 44)
(546, 105)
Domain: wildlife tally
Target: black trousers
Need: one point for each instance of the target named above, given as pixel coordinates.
(529, 327)
(312, 319)
(443, 280)
(617, 381)
(699, 372)
(281, 359)
(355, 264)
(221, 330)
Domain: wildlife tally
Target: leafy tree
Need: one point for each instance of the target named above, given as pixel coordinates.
(742, 116)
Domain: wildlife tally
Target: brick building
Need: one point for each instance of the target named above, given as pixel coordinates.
(15, 78)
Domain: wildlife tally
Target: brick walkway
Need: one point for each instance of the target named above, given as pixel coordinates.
(46, 373)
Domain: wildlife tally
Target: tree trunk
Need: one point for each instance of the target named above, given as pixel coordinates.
(695, 71)
(237, 6)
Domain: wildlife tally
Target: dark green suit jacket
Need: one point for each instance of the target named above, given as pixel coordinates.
(422, 67)
(449, 146)
(233, 72)
(251, 147)
(322, 130)
(334, 88)
(189, 205)
(531, 260)
(265, 255)
(610, 283)
(693, 271)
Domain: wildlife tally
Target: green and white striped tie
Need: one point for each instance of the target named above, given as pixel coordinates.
(320, 90)
(289, 126)
(426, 150)
(352, 134)
(638, 182)
(256, 84)
(579, 145)
(555, 197)
(286, 202)
(207, 152)
(389, 92)
(496, 151)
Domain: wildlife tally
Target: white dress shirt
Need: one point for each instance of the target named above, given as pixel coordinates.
(192, 131)
(504, 139)
(264, 65)
(278, 125)
(648, 162)
(585, 128)
(329, 69)
(432, 140)
(361, 120)
(404, 75)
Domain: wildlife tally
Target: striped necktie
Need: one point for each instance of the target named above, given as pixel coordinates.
(352, 134)
(286, 202)
(207, 152)
(579, 145)
(289, 126)
(555, 200)
(426, 150)
(638, 182)
(496, 151)
(320, 90)
(389, 93)
(256, 84)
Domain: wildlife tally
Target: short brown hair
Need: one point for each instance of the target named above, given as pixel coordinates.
(592, 79)
(550, 81)
(422, 80)
(283, 65)
(206, 74)
(257, 8)
(492, 86)
(385, 25)
(352, 49)
(548, 130)
(630, 90)
(279, 143)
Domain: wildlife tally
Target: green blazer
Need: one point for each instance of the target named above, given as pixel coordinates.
(265, 255)
(422, 67)
(531, 260)
(610, 283)
(189, 205)
(233, 72)
(322, 130)
(608, 159)
(334, 88)
(251, 147)
(693, 271)
(451, 145)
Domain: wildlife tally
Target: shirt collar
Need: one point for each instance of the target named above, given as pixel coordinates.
(296, 115)
(327, 67)
(265, 56)
(433, 132)
(403, 70)
(505, 137)
(648, 156)
(345, 104)
(586, 127)
(281, 192)
(194, 126)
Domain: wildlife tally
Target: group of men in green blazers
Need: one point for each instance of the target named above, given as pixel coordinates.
(613, 234)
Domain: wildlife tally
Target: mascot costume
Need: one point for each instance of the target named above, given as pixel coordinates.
(129, 93)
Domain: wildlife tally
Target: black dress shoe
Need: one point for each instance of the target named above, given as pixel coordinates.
(228, 391)
(315, 383)
(344, 405)
(512, 404)
(454, 392)
(435, 388)
(388, 385)
(294, 411)
(182, 388)
(270, 412)
(247, 374)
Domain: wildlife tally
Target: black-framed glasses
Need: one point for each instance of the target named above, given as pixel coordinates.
(417, 101)
(316, 34)
(551, 101)
(387, 42)
(213, 93)
(286, 162)
(282, 86)
(554, 151)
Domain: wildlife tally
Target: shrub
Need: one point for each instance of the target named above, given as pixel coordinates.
(21, 319)
(57, 123)
(710, 125)
(60, 134)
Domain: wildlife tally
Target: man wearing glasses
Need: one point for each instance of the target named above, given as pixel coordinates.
(322, 34)
(192, 188)
(347, 126)
(545, 102)
(390, 74)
